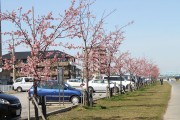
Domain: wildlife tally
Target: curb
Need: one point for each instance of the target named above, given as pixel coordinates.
(61, 110)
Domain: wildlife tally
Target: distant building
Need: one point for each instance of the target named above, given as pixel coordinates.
(66, 63)
(97, 61)
(98, 55)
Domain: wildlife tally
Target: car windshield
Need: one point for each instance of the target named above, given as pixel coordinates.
(74, 80)
(68, 86)
(118, 78)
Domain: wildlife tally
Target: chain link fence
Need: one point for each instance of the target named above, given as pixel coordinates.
(6, 88)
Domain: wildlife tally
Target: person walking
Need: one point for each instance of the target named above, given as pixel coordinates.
(161, 81)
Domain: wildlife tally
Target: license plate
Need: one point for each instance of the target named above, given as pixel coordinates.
(18, 112)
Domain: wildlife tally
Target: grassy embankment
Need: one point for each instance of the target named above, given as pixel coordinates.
(146, 104)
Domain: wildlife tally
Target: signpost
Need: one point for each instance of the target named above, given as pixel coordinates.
(60, 78)
(0, 72)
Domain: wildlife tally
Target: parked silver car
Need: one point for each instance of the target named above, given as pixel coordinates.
(75, 82)
(120, 80)
(100, 85)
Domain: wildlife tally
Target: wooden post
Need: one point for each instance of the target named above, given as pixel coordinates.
(35, 102)
(91, 97)
(44, 106)
(29, 108)
(107, 92)
(115, 88)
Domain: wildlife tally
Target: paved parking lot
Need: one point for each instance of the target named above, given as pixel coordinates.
(23, 97)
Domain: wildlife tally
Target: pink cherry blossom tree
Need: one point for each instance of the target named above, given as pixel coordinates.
(39, 34)
(94, 35)
(154, 72)
(133, 67)
(146, 69)
(120, 63)
(91, 34)
(111, 41)
(119, 67)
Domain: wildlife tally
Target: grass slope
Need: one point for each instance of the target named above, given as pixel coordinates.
(149, 103)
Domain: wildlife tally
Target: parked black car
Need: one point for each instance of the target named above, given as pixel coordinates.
(10, 107)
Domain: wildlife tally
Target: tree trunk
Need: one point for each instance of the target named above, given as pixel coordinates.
(87, 78)
(35, 96)
(110, 95)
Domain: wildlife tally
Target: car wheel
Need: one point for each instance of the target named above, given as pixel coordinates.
(19, 89)
(123, 89)
(75, 99)
(115, 90)
(91, 88)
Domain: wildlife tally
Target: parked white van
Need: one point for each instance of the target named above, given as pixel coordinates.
(23, 84)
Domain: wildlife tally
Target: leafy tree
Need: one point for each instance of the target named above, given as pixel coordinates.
(39, 34)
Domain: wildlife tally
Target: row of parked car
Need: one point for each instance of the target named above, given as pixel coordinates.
(50, 88)
(101, 84)
(24, 83)
(122, 83)
(11, 106)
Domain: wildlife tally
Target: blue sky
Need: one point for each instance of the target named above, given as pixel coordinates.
(154, 34)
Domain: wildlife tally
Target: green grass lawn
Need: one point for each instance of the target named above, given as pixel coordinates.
(149, 103)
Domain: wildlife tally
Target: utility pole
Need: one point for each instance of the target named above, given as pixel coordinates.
(13, 60)
(35, 79)
(0, 47)
(0, 41)
(99, 59)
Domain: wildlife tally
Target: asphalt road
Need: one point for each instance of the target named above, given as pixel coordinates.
(23, 97)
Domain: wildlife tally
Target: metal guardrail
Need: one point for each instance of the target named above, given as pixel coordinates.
(6, 88)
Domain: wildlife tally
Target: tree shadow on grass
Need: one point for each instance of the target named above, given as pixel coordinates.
(136, 95)
(99, 118)
(140, 118)
(115, 118)
(128, 99)
(144, 105)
